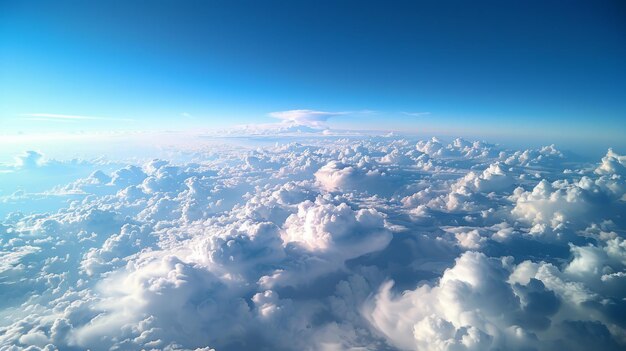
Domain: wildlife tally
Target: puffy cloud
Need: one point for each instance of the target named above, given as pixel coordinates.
(563, 204)
(396, 157)
(545, 156)
(337, 176)
(320, 237)
(464, 311)
(115, 248)
(336, 231)
(487, 304)
(30, 159)
(492, 179)
(155, 293)
(612, 164)
(435, 147)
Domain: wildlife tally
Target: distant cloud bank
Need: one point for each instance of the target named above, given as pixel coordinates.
(306, 117)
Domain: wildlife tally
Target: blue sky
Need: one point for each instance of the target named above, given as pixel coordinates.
(515, 68)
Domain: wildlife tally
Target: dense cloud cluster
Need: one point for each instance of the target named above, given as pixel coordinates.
(326, 244)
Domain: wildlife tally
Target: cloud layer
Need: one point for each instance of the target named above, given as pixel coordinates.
(324, 244)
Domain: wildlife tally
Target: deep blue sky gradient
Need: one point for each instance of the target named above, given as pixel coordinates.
(517, 68)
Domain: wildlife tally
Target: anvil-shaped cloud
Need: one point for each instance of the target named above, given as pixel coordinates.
(306, 117)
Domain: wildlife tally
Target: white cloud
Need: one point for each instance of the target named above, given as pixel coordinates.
(30, 159)
(564, 204)
(293, 246)
(62, 117)
(337, 232)
(488, 304)
(416, 114)
(306, 117)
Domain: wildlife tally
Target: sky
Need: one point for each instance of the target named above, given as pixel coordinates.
(313, 176)
(519, 70)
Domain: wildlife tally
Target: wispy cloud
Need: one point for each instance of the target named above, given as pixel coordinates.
(416, 114)
(67, 118)
(186, 115)
(44, 119)
(306, 117)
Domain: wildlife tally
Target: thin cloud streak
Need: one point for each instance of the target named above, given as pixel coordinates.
(60, 117)
(46, 119)
(416, 114)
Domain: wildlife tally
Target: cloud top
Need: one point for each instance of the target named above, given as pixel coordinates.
(376, 243)
(306, 117)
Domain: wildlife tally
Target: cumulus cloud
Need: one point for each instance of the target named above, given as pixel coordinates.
(29, 159)
(489, 304)
(329, 235)
(340, 243)
(563, 205)
(337, 176)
